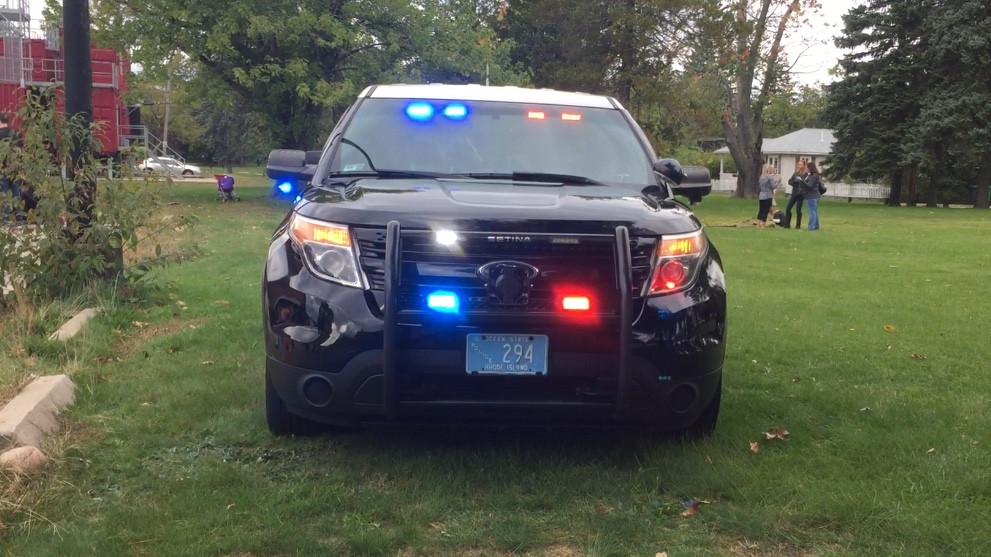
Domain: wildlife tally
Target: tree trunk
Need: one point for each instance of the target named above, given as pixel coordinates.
(168, 107)
(912, 176)
(983, 182)
(894, 198)
(743, 118)
(935, 176)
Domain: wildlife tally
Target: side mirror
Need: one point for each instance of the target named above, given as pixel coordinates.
(670, 169)
(285, 163)
(697, 183)
(313, 157)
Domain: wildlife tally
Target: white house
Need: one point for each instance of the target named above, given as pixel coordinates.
(808, 144)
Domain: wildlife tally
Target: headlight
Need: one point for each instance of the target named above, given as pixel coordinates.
(678, 259)
(327, 249)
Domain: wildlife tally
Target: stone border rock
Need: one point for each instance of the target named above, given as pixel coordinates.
(33, 413)
(72, 327)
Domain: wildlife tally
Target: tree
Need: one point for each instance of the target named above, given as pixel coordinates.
(455, 41)
(562, 47)
(751, 63)
(914, 101)
(630, 49)
(795, 108)
(871, 107)
(954, 124)
(231, 134)
(291, 59)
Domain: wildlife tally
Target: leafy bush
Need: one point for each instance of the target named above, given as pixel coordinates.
(77, 233)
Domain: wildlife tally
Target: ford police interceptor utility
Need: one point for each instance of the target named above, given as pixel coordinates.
(489, 254)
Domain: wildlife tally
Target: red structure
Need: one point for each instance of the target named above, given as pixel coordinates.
(27, 62)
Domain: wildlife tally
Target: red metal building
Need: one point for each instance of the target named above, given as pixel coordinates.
(34, 60)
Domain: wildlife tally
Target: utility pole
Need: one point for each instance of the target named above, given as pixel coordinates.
(78, 65)
(79, 102)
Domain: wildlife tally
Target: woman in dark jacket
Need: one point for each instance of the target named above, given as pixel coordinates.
(796, 199)
(811, 192)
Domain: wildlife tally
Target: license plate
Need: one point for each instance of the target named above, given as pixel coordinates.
(507, 354)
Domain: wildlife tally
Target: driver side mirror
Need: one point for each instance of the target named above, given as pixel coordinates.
(670, 169)
(289, 164)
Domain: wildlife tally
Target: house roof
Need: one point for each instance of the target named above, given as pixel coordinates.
(806, 141)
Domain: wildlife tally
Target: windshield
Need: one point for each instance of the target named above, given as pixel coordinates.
(492, 139)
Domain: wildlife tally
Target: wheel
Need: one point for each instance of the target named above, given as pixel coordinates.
(148, 171)
(187, 173)
(706, 423)
(280, 420)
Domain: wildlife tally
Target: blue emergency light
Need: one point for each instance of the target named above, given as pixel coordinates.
(443, 301)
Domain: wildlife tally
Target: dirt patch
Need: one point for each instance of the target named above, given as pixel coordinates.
(749, 548)
(128, 345)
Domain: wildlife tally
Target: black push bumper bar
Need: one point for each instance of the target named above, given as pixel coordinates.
(392, 406)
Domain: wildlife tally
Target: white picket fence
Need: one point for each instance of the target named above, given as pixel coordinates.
(838, 190)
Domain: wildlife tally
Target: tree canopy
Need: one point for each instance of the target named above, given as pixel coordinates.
(914, 103)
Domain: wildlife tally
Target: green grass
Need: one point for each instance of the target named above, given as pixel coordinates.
(867, 341)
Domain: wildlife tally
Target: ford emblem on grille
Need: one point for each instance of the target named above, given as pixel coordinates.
(508, 282)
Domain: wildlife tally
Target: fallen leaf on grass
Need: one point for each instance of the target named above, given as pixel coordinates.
(207, 362)
(139, 324)
(930, 451)
(754, 447)
(918, 357)
(661, 554)
(688, 507)
(776, 433)
(796, 379)
(222, 303)
(889, 328)
(602, 508)
(231, 506)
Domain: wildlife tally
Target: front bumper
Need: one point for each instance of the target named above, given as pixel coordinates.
(336, 355)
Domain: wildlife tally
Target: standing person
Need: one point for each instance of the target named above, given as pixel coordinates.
(767, 184)
(796, 199)
(812, 191)
(6, 179)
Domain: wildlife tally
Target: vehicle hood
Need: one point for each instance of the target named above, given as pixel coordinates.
(496, 205)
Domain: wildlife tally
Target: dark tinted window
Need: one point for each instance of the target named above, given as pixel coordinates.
(493, 137)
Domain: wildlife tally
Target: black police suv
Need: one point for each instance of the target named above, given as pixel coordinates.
(489, 254)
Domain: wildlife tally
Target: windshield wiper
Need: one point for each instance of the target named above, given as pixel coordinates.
(382, 173)
(541, 177)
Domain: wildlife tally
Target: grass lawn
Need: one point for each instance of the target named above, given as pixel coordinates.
(867, 341)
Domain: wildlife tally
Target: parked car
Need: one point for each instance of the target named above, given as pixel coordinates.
(170, 165)
(495, 254)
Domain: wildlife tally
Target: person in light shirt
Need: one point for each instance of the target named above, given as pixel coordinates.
(765, 196)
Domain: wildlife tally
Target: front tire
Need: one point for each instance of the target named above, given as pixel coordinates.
(280, 420)
(187, 173)
(705, 425)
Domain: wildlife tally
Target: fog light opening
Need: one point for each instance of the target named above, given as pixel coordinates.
(683, 398)
(317, 391)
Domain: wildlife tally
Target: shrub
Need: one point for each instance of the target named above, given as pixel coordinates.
(60, 231)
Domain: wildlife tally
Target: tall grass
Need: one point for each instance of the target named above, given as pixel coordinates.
(867, 341)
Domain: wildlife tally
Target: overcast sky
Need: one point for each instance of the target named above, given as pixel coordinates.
(815, 61)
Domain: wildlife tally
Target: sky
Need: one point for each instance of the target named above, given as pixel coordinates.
(814, 62)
